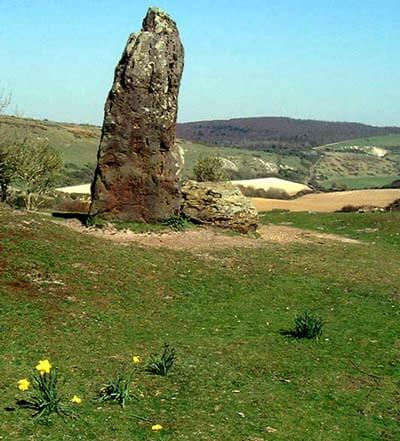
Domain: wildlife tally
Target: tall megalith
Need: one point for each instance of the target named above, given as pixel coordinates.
(138, 162)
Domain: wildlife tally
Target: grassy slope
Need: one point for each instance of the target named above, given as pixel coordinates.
(88, 305)
(383, 171)
(78, 145)
(387, 141)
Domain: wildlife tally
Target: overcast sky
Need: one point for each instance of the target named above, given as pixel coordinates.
(323, 59)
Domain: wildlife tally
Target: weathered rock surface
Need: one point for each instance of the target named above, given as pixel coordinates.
(220, 204)
(137, 170)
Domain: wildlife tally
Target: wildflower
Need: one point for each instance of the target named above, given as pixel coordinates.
(76, 400)
(44, 367)
(156, 427)
(136, 359)
(23, 384)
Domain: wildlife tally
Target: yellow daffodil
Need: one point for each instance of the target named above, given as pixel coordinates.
(156, 427)
(76, 400)
(23, 384)
(136, 359)
(44, 367)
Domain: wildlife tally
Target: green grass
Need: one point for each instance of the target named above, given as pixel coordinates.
(77, 144)
(382, 229)
(89, 305)
(386, 141)
(361, 182)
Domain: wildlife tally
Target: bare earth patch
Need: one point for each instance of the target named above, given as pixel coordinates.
(208, 239)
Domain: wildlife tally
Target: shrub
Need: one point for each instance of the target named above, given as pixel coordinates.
(394, 206)
(307, 326)
(349, 209)
(175, 222)
(36, 170)
(161, 364)
(96, 221)
(209, 168)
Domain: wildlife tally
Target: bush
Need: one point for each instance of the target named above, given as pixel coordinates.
(32, 167)
(175, 222)
(307, 326)
(348, 209)
(209, 168)
(394, 206)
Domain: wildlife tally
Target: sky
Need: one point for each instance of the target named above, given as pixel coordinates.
(334, 60)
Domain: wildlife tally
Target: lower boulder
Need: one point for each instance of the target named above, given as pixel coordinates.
(220, 204)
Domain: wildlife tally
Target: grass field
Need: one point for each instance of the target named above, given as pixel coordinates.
(88, 305)
(387, 141)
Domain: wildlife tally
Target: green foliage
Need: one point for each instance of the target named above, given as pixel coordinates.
(307, 325)
(45, 399)
(72, 174)
(209, 168)
(175, 222)
(117, 390)
(96, 221)
(38, 166)
(32, 167)
(8, 167)
(161, 364)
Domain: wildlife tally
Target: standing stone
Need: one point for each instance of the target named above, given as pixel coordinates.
(138, 162)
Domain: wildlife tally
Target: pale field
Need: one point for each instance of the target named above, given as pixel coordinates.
(81, 189)
(330, 202)
(290, 187)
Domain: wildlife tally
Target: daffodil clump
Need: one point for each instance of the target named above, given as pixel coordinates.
(44, 398)
(119, 389)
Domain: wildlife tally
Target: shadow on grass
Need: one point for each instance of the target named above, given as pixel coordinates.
(81, 217)
(294, 335)
(289, 333)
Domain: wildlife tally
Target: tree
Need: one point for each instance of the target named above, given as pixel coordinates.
(209, 168)
(36, 171)
(5, 101)
(8, 165)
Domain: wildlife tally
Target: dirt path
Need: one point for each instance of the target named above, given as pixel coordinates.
(330, 202)
(208, 239)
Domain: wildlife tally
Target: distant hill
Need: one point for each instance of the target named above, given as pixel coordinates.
(276, 133)
(355, 163)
